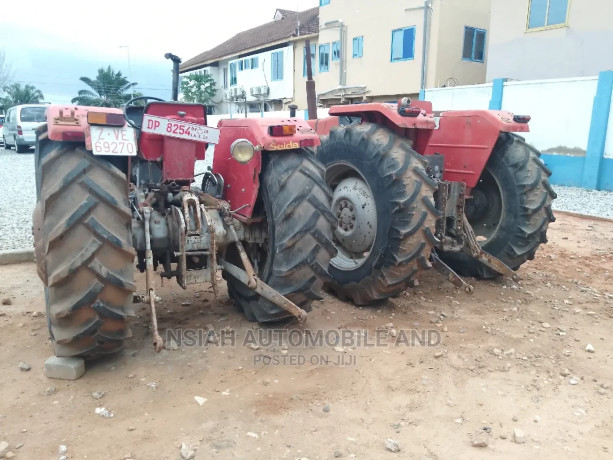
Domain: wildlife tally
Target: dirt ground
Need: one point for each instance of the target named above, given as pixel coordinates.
(511, 356)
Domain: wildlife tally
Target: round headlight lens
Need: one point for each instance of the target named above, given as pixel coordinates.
(242, 150)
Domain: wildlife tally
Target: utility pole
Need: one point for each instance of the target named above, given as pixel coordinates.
(127, 47)
(424, 51)
(310, 84)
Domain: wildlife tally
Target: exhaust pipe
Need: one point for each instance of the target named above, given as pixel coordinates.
(176, 60)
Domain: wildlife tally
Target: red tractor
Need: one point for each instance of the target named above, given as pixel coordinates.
(115, 191)
(459, 191)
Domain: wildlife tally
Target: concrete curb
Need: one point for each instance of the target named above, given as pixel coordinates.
(582, 216)
(16, 256)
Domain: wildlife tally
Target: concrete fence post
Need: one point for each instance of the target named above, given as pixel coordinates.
(497, 93)
(598, 131)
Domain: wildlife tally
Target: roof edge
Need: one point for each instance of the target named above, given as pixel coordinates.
(203, 64)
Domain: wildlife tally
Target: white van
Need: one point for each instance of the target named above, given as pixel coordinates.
(20, 124)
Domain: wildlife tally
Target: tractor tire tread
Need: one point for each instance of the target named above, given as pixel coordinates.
(84, 249)
(302, 237)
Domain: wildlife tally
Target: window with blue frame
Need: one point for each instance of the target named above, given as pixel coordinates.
(304, 62)
(247, 64)
(336, 51)
(240, 65)
(474, 44)
(277, 66)
(324, 57)
(232, 73)
(254, 62)
(547, 13)
(403, 44)
(358, 47)
(324, 2)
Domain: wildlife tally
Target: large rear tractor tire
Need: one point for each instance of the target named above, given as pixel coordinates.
(510, 208)
(82, 237)
(294, 260)
(384, 212)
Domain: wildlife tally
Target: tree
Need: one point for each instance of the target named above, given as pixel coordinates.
(108, 89)
(16, 95)
(198, 87)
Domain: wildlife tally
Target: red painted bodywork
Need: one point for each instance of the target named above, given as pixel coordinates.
(70, 121)
(465, 137)
(242, 181)
(178, 155)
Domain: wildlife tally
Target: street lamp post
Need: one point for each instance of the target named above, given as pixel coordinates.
(127, 47)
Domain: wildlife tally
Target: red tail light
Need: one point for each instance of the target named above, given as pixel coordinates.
(282, 130)
(73, 136)
(307, 143)
(19, 130)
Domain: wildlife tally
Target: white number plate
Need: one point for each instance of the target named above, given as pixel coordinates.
(113, 140)
(181, 129)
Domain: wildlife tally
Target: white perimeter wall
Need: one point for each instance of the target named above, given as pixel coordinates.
(460, 97)
(561, 112)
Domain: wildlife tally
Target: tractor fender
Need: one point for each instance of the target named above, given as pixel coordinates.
(242, 180)
(322, 125)
(68, 123)
(466, 138)
(386, 114)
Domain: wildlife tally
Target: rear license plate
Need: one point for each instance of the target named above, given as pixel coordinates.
(113, 140)
(180, 129)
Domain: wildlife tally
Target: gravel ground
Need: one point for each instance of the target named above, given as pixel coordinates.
(582, 201)
(17, 180)
(18, 198)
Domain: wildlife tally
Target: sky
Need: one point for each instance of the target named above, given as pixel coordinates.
(50, 44)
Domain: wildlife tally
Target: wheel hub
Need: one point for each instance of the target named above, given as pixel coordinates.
(356, 215)
(477, 207)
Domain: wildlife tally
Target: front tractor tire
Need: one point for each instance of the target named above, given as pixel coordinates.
(82, 237)
(294, 260)
(384, 212)
(510, 208)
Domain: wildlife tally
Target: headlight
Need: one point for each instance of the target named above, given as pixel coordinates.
(242, 150)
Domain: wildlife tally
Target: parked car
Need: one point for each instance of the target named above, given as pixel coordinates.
(20, 124)
(1, 124)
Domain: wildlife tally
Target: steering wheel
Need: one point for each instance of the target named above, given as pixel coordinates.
(131, 102)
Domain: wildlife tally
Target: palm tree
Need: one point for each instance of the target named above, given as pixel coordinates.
(108, 89)
(16, 95)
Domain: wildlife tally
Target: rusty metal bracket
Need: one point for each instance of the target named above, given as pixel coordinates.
(447, 273)
(212, 251)
(189, 200)
(158, 343)
(265, 291)
(249, 271)
(472, 247)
